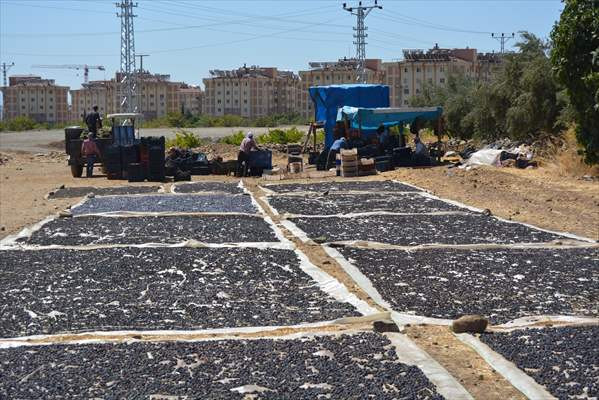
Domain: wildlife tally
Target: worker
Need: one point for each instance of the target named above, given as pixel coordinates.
(93, 121)
(336, 147)
(421, 155)
(89, 150)
(382, 133)
(247, 144)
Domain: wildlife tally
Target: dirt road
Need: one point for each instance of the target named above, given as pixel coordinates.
(39, 141)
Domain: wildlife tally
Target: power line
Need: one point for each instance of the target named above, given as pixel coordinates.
(361, 12)
(405, 19)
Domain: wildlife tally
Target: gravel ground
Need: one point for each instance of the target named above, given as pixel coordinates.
(92, 230)
(336, 186)
(167, 203)
(54, 291)
(564, 360)
(198, 187)
(410, 230)
(355, 366)
(355, 203)
(69, 192)
(501, 284)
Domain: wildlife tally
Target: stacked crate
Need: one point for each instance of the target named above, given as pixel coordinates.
(349, 162)
(366, 167)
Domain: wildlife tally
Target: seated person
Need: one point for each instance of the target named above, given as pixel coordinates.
(384, 138)
(420, 156)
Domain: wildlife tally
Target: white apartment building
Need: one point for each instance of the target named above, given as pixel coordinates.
(250, 92)
(407, 77)
(190, 99)
(40, 99)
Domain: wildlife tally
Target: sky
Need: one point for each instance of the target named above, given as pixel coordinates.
(188, 38)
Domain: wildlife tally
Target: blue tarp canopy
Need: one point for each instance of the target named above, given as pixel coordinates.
(369, 119)
(329, 99)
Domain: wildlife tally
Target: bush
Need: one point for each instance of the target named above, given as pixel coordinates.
(20, 123)
(281, 136)
(234, 139)
(186, 140)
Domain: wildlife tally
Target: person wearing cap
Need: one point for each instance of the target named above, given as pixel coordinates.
(247, 144)
(90, 150)
(93, 121)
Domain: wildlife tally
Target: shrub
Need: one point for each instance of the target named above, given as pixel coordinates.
(281, 136)
(186, 140)
(234, 139)
(20, 123)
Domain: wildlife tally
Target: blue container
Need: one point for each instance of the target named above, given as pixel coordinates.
(260, 159)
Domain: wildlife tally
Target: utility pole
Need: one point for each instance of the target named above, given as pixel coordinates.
(361, 12)
(128, 83)
(5, 68)
(502, 38)
(141, 61)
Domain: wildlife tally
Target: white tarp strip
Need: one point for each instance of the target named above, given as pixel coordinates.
(270, 193)
(364, 244)
(540, 320)
(187, 243)
(409, 353)
(357, 276)
(371, 213)
(162, 335)
(11, 240)
(507, 369)
(177, 184)
(161, 189)
(272, 209)
(297, 232)
(332, 286)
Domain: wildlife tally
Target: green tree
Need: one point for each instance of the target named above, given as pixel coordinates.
(575, 59)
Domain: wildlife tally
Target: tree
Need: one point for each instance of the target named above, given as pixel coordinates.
(575, 60)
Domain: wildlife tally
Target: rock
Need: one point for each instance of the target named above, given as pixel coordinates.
(320, 239)
(62, 187)
(385, 325)
(2, 228)
(487, 212)
(470, 323)
(91, 195)
(65, 214)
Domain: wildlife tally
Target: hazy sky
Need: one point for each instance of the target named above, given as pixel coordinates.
(188, 38)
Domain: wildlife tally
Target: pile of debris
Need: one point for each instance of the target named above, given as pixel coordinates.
(501, 153)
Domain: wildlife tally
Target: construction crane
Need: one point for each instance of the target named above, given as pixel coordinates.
(84, 67)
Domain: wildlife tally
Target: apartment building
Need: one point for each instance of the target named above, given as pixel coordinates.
(190, 99)
(250, 92)
(156, 96)
(343, 71)
(408, 77)
(40, 99)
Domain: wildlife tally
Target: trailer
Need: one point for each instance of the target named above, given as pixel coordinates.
(122, 132)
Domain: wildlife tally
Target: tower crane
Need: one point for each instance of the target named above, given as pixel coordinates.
(84, 67)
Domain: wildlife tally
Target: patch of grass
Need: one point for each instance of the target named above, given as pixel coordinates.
(565, 157)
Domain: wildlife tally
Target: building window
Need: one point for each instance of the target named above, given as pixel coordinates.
(442, 80)
(228, 93)
(417, 91)
(219, 110)
(430, 80)
(405, 102)
(442, 69)
(405, 70)
(406, 91)
(417, 69)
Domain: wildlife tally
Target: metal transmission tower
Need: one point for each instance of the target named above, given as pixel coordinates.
(502, 37)
(128, 81)
(361, 12)
(5, 68)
